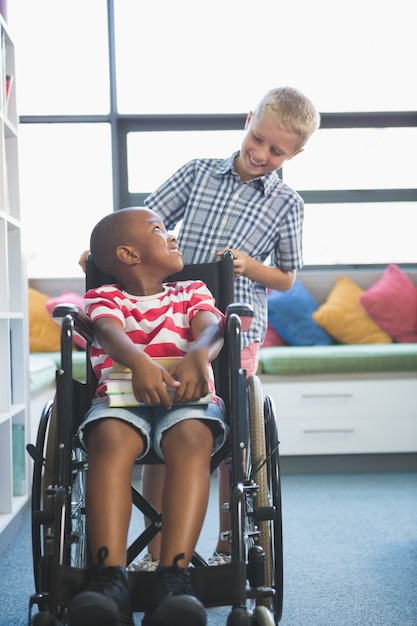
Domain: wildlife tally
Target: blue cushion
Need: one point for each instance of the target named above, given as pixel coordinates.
(290, 314)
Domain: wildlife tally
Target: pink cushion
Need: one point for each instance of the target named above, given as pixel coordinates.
(392, 303)
(273, 338)
(68, 297)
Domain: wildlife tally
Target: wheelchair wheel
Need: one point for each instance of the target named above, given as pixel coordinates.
(45, 481)
(264, 471)
(274, 487)
(44, 472)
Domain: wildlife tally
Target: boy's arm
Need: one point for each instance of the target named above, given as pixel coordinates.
(149, 379)
(192, 371)
(270, 277)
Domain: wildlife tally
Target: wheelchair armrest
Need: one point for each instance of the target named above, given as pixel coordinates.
(82, 323)
(244, 311)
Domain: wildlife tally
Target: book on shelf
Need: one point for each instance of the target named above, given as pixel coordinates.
(119, 385)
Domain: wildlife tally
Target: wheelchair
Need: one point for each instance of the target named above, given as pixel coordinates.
(252, 583)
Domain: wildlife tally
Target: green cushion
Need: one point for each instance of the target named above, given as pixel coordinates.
(41, 371)
(294, 360)
(43, 365)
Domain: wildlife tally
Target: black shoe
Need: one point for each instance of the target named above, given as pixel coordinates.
(173, 601)
(106, 600)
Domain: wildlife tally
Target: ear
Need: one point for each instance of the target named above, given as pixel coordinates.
(128, 255)
(248, 119)
(294, 154)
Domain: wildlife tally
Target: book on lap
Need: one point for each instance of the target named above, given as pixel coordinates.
(119, 386)
(128, 399)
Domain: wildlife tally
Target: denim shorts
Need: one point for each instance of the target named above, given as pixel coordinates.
(153, 421)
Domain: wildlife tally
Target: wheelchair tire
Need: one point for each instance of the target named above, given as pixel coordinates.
(258, 466)
(43, 473)
(239, 617)
(274, 486)
(43, 619)
(262, 617)
(264, 461)
(45, 479)
(50, 476)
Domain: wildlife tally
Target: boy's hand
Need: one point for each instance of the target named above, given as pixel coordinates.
(266, 275)
(193, 377)
(150, 384)
(240, 260)
(82, 261)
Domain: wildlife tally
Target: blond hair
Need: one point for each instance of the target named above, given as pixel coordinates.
(292, 111)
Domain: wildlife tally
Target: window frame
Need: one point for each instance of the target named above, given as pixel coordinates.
(122, 124)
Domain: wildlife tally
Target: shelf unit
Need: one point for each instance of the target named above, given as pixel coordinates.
(14, 350)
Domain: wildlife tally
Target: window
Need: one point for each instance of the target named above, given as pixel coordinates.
(66, 169)
(115, 95)
(62, 57)
(220, 57)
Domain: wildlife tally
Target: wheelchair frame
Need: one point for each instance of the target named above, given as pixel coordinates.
(252, 583)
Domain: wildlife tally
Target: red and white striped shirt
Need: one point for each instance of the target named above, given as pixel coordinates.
(160, 324)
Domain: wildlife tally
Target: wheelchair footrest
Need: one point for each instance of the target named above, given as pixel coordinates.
(222, 585)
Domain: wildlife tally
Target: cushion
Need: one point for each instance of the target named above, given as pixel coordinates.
(338, 359)
(272, 338)
(79, 360)
(68, 297)
(290, 314)
(392, 303)
(44, 333)
(43, 366)
(42, 369)
(343, 317)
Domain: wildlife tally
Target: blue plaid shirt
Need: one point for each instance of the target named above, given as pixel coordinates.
(262, 217)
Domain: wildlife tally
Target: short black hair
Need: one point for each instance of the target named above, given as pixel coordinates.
(107, 235)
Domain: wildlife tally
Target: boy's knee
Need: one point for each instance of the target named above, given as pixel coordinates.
(110, 436)
(191, 435)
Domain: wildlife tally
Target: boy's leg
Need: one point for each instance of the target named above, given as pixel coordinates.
(187, 449)
(113, 447)
(153, 479)
(249, 362)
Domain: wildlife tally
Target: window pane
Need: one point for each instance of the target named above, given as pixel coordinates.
(66, 187)
(61, 56)
(355, 158)
(170, 150)
(360, 233)
(220, 57)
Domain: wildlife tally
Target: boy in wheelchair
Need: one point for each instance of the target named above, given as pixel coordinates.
(134, 320)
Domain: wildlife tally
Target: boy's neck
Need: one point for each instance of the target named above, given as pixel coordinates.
(244, 177)
(142, 287)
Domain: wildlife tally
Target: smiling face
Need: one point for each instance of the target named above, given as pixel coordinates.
(265, 147)
(156, 248)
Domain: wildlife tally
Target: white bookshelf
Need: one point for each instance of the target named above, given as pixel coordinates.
(14, 350)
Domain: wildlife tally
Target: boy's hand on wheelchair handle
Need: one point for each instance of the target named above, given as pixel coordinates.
(240, 260)
(82, 261)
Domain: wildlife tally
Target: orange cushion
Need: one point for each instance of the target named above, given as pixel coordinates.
(44, 333)
(343, 317)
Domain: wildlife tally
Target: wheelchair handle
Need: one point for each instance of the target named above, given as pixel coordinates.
(82, 323)
(242, 310)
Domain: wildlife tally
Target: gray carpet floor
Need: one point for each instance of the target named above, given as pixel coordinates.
(350, 553)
